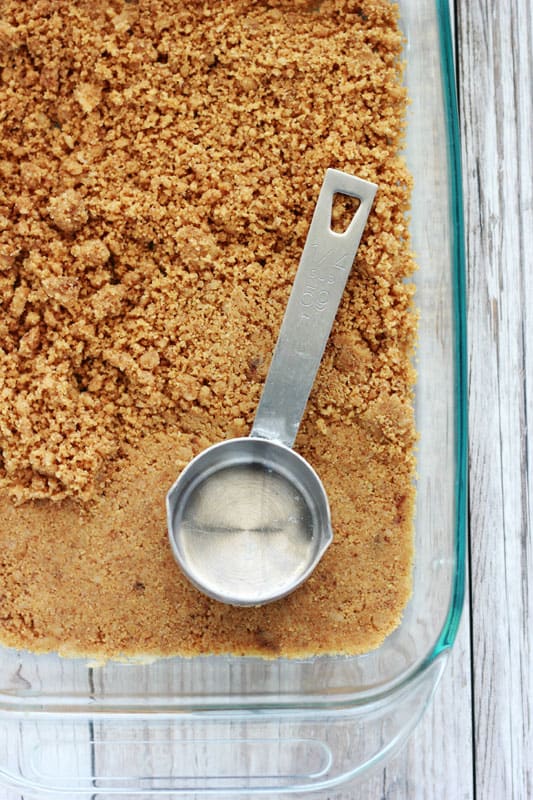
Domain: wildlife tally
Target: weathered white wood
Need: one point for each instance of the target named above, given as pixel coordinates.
(495, 47)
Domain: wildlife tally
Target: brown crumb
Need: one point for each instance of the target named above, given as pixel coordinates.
(159, 165)
(88, 96)
(68, 211)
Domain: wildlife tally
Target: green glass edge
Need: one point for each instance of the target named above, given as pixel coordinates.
(450, 627)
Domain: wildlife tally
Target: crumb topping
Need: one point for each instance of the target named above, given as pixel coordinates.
(159, 166)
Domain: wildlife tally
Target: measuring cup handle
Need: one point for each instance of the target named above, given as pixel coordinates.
(324, 267)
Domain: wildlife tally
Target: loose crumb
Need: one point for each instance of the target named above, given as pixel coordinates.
(159, 166)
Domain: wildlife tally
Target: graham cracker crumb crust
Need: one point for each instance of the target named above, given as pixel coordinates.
(159, 166)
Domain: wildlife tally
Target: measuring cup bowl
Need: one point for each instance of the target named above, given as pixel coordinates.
(248, 521)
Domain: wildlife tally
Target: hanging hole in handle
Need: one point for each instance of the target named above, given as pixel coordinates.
(343, 209)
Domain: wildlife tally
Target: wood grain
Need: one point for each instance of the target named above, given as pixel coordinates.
(495, 48)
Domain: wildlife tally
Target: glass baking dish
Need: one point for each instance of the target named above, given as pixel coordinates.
(227, 726)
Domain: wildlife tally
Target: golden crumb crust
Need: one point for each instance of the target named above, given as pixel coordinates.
(159, 166)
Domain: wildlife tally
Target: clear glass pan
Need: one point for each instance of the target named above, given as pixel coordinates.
(225, 725)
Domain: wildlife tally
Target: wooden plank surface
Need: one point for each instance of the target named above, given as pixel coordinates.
(495, 47)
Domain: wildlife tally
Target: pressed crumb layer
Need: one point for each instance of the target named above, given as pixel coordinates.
(159, 166)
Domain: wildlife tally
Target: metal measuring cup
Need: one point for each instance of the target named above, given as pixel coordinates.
(248, 518)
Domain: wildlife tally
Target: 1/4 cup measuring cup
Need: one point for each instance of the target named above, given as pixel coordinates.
(248, 518)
